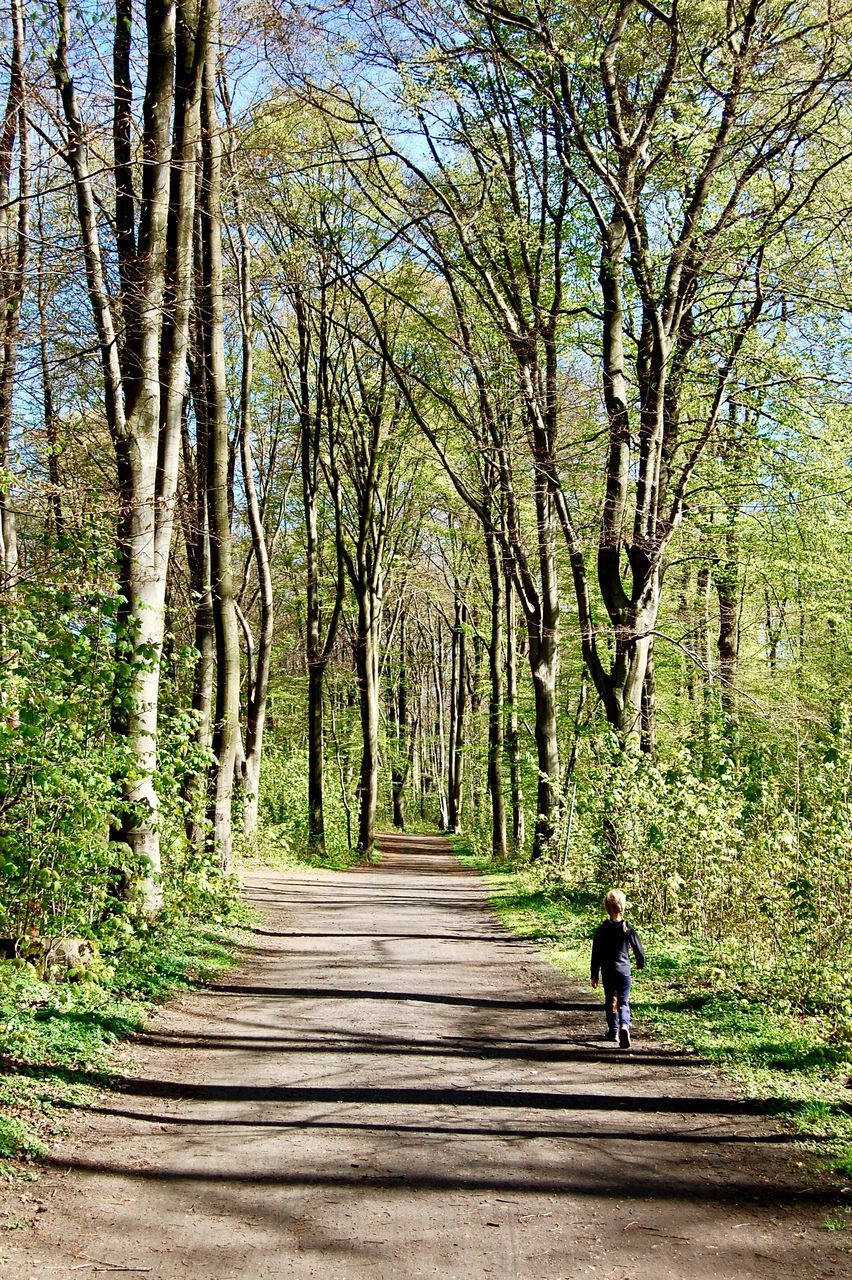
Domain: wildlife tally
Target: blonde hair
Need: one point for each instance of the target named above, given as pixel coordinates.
(614, 903)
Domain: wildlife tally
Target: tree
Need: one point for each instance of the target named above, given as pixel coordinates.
(370, 469)
(636, 127)
(258, 656)
(601, 136)
(212, 416)
(14, 246)
(308, 341)
(143, 356)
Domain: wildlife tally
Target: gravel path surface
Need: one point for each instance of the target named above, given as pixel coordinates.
(391, 1085)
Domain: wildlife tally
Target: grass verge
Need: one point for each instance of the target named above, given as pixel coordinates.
(280, 848)
(275, 847)
(56, 1037)
(756, 1035)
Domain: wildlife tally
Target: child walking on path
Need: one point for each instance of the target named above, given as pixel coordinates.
(611, 948)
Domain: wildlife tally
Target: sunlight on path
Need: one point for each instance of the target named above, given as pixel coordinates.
(392, 1085)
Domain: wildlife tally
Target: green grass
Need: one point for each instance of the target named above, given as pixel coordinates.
(274, 847)
(737, 1020)
(57, 1037)
(16, 1138)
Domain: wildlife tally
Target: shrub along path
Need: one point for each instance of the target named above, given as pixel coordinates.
(392, 1085)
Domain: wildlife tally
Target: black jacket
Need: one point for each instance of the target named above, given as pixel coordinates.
(611, 948)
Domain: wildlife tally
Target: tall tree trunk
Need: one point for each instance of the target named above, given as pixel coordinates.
(702, 631)
(634, 620)
(455, 789)
(197, 542)
(367, 669)
(211, 310)
(441, 765)
(314, 648)
(148, 440)
(495, 702)
(512, 730)
(401, 761)
(422, 783)
(316, 737)
(544, 665)
(727, 578)
(256, 702)
(51, 425)
(474, 693)
(631, 696)
(649, 705)
(203, 677)
(14, 253)
(452, 709)
(316, 412)
(143, 362)
(342, 756)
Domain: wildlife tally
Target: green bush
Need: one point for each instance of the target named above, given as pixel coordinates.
(283, 811)
(741, 847)
(60, 761)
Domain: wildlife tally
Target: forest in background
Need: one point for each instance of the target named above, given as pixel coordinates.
(433, 417)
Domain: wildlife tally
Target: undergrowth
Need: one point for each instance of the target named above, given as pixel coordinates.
(275, 847)
(283, 837)
(770, 1044)
(56, 1037)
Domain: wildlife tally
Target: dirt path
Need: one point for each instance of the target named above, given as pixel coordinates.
(393, 1086)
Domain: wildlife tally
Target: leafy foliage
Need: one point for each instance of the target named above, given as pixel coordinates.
(57, 1036)
(706, 997)
(60, 758)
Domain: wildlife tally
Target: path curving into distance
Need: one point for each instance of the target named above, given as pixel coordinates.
(391, 1085)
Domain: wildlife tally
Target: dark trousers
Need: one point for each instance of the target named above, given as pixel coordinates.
(616, 985)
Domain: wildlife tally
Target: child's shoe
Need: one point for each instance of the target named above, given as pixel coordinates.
(611, 1035)
(624, 1038)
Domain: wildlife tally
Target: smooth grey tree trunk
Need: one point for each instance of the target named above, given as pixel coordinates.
(367, 670)
(512, 730)
(399, 711)
(405, 733)
(143, 361)
(649, 705)
(727, 579)
(225, 625)
(495, 702)
(312, 382)
(249, 762)
(441, 769)
(316, 741)
(544, 666)
(193, 509)
(458, 707)
(14, 255)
